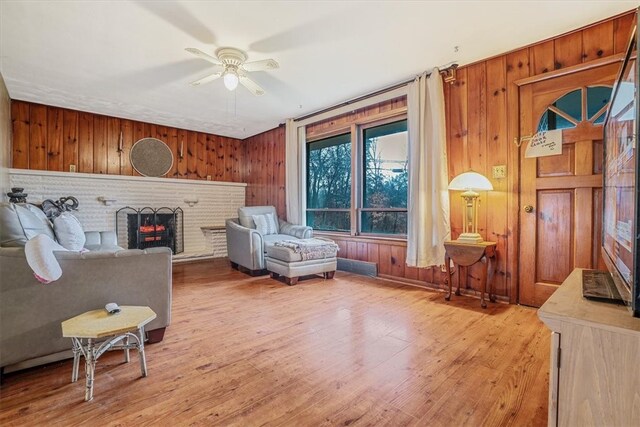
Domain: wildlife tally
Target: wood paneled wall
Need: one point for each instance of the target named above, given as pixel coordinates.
(482, 122)
(373, 112)
(52, 138)
(265, 169)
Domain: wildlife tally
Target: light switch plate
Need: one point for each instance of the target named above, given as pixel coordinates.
(72, 168)
(208, 177)
(500, 171)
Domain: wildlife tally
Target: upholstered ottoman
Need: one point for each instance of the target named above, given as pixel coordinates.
(303, 257)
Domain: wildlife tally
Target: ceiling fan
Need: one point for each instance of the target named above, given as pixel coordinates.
(231, 65)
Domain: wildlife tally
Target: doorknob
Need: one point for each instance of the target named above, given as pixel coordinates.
(528, 208)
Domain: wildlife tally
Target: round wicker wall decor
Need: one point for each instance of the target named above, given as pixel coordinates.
(151, 157)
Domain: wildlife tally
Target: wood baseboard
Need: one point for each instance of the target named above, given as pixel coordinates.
(438, 287)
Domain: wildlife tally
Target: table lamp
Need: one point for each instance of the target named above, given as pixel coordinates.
(470, 182)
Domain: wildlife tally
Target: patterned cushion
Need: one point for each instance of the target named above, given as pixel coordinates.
(265, 224)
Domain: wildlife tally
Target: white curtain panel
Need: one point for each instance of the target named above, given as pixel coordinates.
(294, 171)
(428, 211)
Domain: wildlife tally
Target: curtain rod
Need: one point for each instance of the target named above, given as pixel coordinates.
(448, 69)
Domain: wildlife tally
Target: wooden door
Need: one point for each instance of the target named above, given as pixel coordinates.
(561, 196)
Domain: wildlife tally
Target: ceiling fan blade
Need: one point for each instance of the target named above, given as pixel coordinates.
(207, 79)
(265, 64)
(201, 54)
(251, 85)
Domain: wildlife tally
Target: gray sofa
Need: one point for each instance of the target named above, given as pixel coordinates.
(31, 312)
(246, 247)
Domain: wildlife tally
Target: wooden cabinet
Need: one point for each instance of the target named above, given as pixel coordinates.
(595, 354)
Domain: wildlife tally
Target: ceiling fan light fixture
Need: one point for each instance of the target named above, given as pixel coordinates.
(231, 64)
(231, 79)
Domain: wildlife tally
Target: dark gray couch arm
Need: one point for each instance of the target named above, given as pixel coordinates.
(299, 231)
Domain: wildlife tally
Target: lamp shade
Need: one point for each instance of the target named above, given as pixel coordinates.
(470, 181)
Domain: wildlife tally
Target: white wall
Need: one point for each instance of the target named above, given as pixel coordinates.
(217, 201)
(5, 139)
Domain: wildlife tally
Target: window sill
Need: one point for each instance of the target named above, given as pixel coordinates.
(396, 241)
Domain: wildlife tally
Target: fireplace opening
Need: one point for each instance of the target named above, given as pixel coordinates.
(148, 228)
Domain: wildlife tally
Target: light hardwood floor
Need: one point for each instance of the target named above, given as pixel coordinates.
(349, 351)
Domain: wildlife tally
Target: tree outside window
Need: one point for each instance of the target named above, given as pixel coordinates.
(380, 201)
(385, 176)
(329, 183)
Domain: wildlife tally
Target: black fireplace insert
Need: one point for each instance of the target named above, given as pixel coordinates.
(149, 227)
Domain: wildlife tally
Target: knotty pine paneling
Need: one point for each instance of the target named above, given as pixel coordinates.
(139, 132)
(597, 42)
(201, 156)
(112, 145)
(55, 158)
(52, 138)
(100, 144)
(126, 126)
(192, 160)
(483, 116)
(85, 143)
(172, 142)
(482, 121)
(20, 118)
(38, 137)
(181, 162)
(265, 158)
(567, 50)
(517, 67)
(344, 121)
(70, 139)
(622, 32)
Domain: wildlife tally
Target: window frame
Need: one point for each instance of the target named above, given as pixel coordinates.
(361, 158)
(333, 133)
(356, 131)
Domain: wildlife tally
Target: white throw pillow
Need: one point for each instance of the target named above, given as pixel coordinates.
(265, 224)
(69, 231)
(47, 227)
(40, 257)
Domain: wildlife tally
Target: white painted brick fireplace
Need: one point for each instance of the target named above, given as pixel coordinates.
(217, 201)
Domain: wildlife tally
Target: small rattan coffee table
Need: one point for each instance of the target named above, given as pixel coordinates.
(115, 329)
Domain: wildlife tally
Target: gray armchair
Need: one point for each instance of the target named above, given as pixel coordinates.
(246, 246)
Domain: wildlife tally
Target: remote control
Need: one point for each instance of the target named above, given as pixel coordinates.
(112, 308)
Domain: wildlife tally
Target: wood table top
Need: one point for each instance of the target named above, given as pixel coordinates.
(568, 305)
(460, 243)
(99, 323)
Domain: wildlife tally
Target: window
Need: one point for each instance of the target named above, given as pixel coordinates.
(377, 204)
(385, 179)
(567, 111)
(329, 183)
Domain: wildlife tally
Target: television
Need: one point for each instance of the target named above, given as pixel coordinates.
(621, 209)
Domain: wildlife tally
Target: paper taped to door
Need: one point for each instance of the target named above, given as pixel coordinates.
(545, 143)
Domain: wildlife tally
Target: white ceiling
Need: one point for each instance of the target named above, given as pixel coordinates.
(127, 58)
